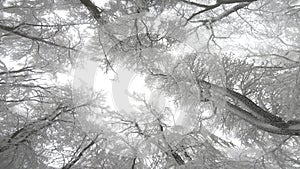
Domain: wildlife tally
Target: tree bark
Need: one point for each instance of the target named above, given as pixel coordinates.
(246, 109)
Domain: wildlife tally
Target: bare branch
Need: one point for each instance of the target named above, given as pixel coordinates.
(28, 130)
(94, 10)
(76, 157)
(243, 3)
(195, 4)
(13, 30)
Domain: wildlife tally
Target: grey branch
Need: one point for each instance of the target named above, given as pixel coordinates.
(39, 39)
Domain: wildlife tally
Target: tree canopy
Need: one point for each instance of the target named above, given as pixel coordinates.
(229, 69)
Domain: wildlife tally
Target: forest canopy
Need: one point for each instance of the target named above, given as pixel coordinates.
(228, 72)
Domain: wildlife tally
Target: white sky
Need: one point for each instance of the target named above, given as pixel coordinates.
(118, 88)
(100, 2)
(128, 82)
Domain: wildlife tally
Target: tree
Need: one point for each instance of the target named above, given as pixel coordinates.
(231, 66)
